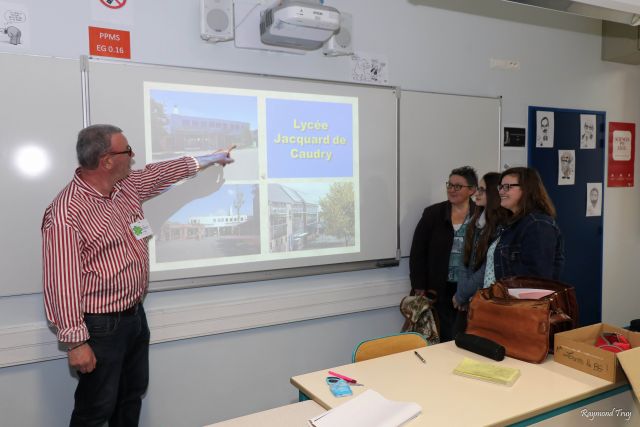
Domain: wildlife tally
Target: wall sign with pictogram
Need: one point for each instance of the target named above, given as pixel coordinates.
(113, 4)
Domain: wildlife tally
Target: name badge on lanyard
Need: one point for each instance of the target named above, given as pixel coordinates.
(141, 229)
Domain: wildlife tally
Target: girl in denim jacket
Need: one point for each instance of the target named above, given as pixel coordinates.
(531, 243)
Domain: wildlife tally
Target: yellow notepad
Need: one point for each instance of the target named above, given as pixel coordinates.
(487, 372)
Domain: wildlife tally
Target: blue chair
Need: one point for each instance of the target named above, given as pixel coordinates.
(382, 346)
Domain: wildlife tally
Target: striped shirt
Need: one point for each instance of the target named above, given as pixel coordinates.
(92, 262)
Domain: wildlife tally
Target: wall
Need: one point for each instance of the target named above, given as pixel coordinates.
(443, 46)
(200, 381)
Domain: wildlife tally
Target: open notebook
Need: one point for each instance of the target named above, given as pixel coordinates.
(368, 409)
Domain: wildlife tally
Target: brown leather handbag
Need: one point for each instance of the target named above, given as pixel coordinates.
(525, 327)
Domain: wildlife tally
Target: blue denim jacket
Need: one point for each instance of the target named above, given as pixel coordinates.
(533, 246)
(470, 280)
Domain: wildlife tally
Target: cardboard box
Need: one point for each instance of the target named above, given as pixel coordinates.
(576, 348)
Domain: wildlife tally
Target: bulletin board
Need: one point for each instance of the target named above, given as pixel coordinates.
(567, 147)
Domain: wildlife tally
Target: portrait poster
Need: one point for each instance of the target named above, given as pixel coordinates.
(594, 199)
(544, 129)
(621, 152)
(587, 131)
(566, 167)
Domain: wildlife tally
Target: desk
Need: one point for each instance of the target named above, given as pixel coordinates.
(294, 415)
(452, 400)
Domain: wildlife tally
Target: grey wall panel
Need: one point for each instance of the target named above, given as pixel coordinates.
(41, 114)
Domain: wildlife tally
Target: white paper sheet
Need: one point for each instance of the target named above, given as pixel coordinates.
(369, 409)
(594, 199)
(544, 129)
(587, 131)
(529, 293)
(566, 167)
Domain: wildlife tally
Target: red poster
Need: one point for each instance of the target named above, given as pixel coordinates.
(622, 148)
(109, 42)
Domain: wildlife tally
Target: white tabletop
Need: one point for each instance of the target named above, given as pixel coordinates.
(294, 415)
(449, 399)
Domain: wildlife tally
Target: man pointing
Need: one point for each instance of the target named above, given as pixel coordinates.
(96, 268)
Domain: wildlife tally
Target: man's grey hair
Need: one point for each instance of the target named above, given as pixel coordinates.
(94, 142)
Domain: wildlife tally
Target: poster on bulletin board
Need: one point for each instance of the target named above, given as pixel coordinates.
(621, 149)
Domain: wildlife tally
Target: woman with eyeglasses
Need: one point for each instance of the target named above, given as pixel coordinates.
(482, 231)
(438, 245)
(531, 243)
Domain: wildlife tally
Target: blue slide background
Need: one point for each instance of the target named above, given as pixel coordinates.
(280, 116)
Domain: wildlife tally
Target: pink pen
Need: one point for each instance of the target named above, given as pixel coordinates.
(347, 379)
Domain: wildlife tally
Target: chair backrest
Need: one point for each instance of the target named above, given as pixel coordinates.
(382, 346)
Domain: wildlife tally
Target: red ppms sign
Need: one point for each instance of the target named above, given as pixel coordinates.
(109, 42)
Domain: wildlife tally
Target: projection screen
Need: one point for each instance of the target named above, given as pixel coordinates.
(314, 183)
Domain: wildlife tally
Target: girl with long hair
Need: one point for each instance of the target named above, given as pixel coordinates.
(531, 243)
(481, 232)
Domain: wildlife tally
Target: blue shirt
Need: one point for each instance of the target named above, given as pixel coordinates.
(457, 251)
(490, 272)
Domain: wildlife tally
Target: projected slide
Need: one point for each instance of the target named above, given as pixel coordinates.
(293, 190)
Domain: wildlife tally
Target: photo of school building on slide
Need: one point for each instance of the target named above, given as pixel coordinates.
(191, 133)
(306, 217)
(188, 122)
(227, 223)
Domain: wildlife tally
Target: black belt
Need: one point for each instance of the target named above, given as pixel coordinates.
(131, 311)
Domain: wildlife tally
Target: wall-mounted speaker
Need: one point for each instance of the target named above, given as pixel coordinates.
(216, 20)
(341, 43)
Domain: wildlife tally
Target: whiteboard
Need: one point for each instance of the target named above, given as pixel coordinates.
(439, 132)
(117, 95)
(41, 112)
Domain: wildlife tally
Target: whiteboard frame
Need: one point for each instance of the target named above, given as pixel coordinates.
(194, 281)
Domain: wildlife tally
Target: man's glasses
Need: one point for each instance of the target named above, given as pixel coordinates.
(456, 187)
(507, 187)
(128, 151)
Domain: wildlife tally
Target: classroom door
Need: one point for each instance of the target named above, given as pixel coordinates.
(570, 171)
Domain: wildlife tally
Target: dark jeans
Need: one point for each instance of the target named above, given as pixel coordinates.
(113, 391)
(461, 322)
(450, 323)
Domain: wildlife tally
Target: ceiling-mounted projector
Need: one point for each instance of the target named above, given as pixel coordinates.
(298, 24)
